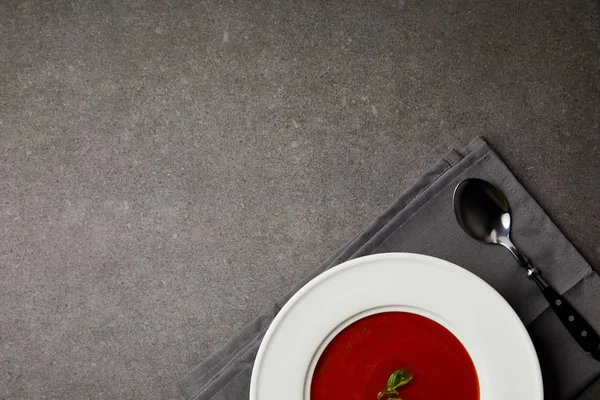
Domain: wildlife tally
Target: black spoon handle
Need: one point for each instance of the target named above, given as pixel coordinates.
(577, 326)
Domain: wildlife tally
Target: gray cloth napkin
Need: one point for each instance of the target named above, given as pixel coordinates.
(422, 221)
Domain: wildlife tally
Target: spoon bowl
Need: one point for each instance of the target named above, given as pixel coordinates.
(482, 210)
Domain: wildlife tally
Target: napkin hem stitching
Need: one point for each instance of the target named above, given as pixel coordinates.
(223, 387)
(475, 162)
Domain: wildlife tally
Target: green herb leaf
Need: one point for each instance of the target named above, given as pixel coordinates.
(398, 379)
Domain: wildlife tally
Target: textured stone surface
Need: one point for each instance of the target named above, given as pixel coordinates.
(169, 169)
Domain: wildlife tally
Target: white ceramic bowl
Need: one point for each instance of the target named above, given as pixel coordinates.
(491, 332)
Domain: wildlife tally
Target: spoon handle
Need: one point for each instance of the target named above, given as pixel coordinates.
(577, 326)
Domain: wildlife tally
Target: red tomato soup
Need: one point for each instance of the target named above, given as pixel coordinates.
(359, 360)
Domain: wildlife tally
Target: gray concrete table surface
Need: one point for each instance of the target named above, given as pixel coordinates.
(169, 169)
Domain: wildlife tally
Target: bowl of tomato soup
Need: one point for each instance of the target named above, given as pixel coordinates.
(358, 361)
(396, 326)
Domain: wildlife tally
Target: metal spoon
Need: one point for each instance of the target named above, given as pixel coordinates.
(483, 212)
